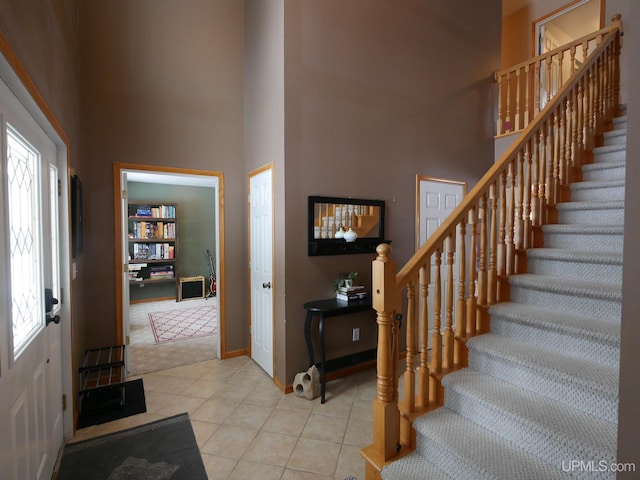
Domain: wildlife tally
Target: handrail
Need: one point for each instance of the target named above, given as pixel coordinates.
(524, 88)
(502, 214)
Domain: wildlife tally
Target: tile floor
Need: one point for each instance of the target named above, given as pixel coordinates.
(247, 428)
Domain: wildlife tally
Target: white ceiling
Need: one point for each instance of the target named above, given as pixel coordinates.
(172, 179)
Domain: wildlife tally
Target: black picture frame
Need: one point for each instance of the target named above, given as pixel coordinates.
(333, 246)
(77, 239)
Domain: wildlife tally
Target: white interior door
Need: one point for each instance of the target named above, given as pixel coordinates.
(124, 212)
(261, 267)
(436, 200)
(31, 411)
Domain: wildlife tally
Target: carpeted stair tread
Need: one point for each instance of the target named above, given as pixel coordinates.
(609, 149)
(413, 467)
(567, 370)
(553, 431)
(588, 288)
(543, 318)
(604, 170)
(583, 228)
(470, 452)
(593, 205)
(588, 184)
(566, 254)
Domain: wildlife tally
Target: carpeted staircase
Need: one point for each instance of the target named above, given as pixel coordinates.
(540, 397)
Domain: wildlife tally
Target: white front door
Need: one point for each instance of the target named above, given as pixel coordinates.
(261, 267)
(31, 414)
(436, 200)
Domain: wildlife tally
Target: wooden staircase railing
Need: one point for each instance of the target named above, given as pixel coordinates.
(524, 89)
(483, 241)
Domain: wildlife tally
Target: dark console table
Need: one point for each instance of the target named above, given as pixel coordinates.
(325, 309)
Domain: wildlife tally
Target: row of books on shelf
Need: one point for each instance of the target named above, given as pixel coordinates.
(161, 211)
(153, 230)
(355, 292)
(141, 271)
(153, 251)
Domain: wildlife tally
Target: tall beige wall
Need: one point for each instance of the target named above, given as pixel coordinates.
(44, 37)
(264, 130)
(162, 84)
(375, 93)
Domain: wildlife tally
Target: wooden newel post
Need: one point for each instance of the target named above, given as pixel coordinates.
(386, 416)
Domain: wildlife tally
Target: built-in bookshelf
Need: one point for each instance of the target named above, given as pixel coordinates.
(153, 243)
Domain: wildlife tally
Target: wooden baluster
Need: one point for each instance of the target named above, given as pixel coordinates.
(409, 373)
(507, 122)
(542, 191)
(471, 299)
(482, 272)
(499, 125)
(587, 116)
(560, 69)
(535, 158)
(511, 218)
(548, 79)
(436, 338)
(527, 203)
(501, 251)
(519, 213)
(518, 119)
(450, 246)
(572, 57)
(536, 87)
(559, 172)
(423, 369)
(527, 87)
(461, 314)
(492, 278)
(386, 416)
(551, 161)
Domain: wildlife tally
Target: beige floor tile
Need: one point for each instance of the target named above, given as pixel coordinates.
(249, 416)
(291, 402)
(350, 464)
(233, 393)
(156, 401)
(290, 474)
(271, 448)
(315, 456)
(288, 422)
(358, 433)
(218, 374)
(322, 427)
(218, 468)
(364, 413)
(181, 404)
(214, 410)
(203, 431)
(267, 396)
(229, 441)
(201, 389)
(246, 470)
(335, 407)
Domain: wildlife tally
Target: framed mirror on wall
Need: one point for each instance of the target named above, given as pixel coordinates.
(338, 226)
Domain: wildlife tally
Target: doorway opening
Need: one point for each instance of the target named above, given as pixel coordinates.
(169, 233)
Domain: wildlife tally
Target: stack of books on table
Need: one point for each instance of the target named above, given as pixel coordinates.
(349, 294)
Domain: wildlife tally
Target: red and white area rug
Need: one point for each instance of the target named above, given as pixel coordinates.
(182, 324)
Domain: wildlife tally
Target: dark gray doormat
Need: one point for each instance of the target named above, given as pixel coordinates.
(103, 406)
(161, 450)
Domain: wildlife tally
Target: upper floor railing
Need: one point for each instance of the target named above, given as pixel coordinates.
(524, 89)
(443, 292)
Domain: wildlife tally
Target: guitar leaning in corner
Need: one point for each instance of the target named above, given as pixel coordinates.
(212, 277)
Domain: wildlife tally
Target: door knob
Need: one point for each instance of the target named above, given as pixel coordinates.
(49, 302)
(266, 285)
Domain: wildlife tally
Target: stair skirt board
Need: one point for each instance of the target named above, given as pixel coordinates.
(541, 389)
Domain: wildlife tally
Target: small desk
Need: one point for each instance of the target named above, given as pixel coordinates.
(330, 307)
